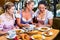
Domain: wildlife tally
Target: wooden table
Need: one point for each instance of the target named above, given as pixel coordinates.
(3, 38)
(55, 33)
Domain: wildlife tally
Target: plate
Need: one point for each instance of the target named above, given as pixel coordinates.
(38, 36)
(33, 32)
(11, 34)
(31, 25)
(11, 37)
(19, 30)
(44, 29)
(48, 33)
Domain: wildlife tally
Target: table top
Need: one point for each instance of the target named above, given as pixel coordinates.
(55, 33)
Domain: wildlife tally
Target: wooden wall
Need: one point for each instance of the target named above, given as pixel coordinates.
(2, 2)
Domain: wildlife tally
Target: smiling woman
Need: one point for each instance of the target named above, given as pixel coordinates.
(7, 18)
(44, 16)
(21, 16)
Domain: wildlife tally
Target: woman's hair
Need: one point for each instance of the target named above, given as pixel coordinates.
(28, 2)
(43, 2)
(8, 5)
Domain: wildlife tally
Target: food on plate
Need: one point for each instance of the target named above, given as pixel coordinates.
(33, 32)
(48, 33)
(18, 31)
(38, 36)
(44, 28)
(18, 36)
(23, 36)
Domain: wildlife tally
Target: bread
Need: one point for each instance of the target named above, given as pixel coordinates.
(18, 31)
(24, 37)
(38, 36)
(43, 28)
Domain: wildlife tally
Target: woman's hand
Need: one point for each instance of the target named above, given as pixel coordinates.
(26, 25)
(2, 32)
(38, 25)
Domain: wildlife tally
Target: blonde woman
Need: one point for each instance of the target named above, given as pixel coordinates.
(7, 18)
(25, 16)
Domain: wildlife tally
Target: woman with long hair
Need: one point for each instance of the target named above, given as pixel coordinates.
(25, 16)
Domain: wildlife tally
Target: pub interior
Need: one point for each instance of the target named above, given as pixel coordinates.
(29, 19)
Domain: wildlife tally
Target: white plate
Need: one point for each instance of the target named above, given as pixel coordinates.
(31, 25)
(10, 37)
(20, 29)
(11, 34)
(40, 28)
(43, 37)
(50, 34)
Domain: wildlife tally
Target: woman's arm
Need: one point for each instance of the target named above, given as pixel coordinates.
(1, 25)
(18, 22)
(2, 32)
(50, 19)
(50, 22)
(18, 18)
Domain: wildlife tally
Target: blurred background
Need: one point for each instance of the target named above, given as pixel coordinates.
(53, 5)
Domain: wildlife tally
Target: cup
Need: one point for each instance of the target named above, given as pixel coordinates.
(12, 34)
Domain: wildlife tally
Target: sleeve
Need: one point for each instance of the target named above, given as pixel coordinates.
(33, 15)
(50, 15)
(17, 15)
(1, 24)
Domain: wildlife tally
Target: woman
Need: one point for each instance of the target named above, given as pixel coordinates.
(7, 19)
(24, 17)
(44, 16)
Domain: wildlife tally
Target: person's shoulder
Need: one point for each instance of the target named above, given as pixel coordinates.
(18, 14)
(33, 12)
(50, 15)
(18, 11)
(49, 12)
(2, 15)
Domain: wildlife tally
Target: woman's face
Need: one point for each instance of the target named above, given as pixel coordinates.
(31, 6)
(42, 7)
(11, 10)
